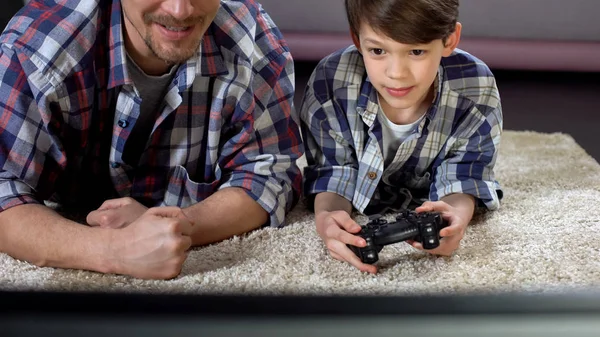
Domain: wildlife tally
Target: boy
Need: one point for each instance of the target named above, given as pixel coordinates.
(402, 119)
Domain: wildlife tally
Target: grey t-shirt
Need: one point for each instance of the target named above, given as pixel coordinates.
(152, 90)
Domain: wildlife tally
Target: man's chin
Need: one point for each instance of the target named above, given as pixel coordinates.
(176, 54)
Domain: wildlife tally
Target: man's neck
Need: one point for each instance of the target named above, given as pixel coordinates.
(149, 64)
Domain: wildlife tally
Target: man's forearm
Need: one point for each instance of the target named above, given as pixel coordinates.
(228, 212)
(37, 234)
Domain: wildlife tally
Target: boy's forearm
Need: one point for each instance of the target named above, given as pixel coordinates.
(329, 202)
(36, 234)
(465, 203)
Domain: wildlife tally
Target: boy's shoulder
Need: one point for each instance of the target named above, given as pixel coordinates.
(467, 74)
(340, 69)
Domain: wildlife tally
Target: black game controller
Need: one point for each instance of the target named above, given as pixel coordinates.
(422, 227)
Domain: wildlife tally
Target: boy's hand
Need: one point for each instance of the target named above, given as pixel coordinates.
(457, 218)
(335, 229)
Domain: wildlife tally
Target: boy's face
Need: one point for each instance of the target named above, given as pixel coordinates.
(168, 30)
(402, 74)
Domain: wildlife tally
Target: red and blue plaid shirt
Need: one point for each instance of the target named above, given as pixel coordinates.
(69, 105)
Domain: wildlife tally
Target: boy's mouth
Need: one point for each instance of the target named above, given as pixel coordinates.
(399, 92)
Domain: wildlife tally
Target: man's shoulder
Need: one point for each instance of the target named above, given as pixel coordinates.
(467, 75)
(47, 32)
(246, 29)
(341, 69)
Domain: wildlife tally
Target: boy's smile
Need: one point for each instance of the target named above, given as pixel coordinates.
(402, 74)
(399, 92)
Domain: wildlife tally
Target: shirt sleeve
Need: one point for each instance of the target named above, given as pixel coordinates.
(261, 157)
(332, 165)
(30, 160)
(469, 164)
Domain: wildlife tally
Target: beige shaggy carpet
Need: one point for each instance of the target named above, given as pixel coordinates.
(545, 238)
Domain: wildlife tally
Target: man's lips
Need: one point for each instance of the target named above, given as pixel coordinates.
(175, 32)
(399, 92)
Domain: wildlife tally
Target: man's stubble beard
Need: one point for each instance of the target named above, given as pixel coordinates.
(173, 56)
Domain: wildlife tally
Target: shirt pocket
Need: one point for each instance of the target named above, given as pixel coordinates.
(183, 192)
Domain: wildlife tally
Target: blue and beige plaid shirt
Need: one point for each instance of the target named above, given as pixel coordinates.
(453, 150)
(68, 106)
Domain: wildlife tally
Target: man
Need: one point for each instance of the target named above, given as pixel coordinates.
(170, 120)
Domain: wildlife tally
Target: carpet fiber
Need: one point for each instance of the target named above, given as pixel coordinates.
(544, 238)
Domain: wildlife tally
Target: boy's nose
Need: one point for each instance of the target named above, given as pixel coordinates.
(396, 69)
(179, 9)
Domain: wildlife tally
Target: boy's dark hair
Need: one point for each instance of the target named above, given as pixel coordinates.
(405, 21)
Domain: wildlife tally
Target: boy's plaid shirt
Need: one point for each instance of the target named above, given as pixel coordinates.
(453, 150)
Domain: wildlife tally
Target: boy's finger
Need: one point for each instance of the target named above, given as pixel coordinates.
(425, 207)
(345, 222)
(452, 230)
(351, 258)
(335, 255)
(447, 246)
(350, 239)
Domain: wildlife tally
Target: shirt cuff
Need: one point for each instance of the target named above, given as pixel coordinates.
(488, 194)
(14, 193)
(340, 180)
(275, 197)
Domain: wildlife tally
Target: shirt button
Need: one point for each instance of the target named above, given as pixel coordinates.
(115, 165)
(372, 175)
(122, 123)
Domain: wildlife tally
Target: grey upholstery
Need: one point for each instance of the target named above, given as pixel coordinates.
(519, 34)
(515, 19)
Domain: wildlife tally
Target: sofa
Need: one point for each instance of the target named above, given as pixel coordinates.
(554, 35)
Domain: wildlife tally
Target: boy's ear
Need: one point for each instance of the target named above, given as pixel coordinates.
(356, 40)
(452, 40)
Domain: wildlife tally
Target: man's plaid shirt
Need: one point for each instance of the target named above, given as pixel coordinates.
(68, 107)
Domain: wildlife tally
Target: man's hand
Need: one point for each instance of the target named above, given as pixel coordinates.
(458, 211)
(335, 229)
(154, 246)
(116, 213)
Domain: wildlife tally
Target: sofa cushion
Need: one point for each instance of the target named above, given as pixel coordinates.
(513, 19)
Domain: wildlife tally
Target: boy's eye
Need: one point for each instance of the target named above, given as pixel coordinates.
(377, 51)
(417, 52)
